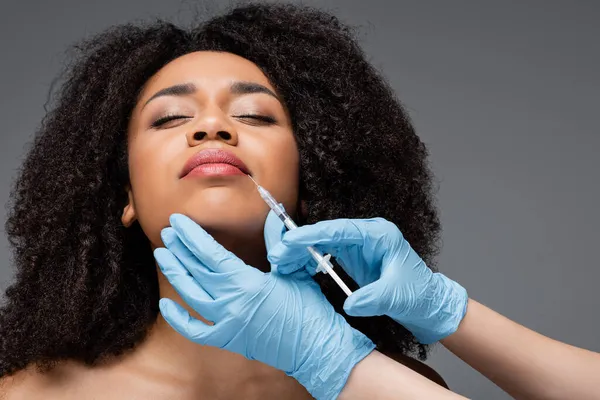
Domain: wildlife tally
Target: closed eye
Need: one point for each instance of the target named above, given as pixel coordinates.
(165, 119)
(262, 118)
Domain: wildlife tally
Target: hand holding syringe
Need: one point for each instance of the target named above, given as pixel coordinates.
(323, 263)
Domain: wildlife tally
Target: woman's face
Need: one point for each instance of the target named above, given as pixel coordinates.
(226, 112)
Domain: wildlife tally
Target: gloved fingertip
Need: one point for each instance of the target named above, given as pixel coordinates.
(363, 302)
(175, 219)
(274, 253)
(157, 252)
(286, 269)
(175, 315)
(168, 235)
(166, 306)
(350, 305)
(354, 311)
(289, 237)
(360, 309)
(161, 255)
(171, 310)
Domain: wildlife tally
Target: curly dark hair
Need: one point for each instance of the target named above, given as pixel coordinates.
(86, 287)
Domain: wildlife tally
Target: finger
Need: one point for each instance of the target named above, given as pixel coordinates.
(311, 267)
(191, 328)
(274, 230)
(178, 255)
(208, 251)
(184, 283)
(305, 261)
(184, 257)
(303, 276)
(301, 258)
(343, 230)
(327, 235)
(287, 269)
(366, 301)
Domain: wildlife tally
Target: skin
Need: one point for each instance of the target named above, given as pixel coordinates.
(522, 362)
(166, 365)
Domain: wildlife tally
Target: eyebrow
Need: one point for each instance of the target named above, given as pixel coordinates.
(237, 88)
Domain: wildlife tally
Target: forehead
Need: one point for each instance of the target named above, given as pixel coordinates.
(206, 69)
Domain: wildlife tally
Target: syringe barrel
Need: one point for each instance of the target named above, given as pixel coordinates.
(277, 208)
(270, 200)
(287, 221)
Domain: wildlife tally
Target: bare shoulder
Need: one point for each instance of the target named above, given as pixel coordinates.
(418, 367)
(32, 384)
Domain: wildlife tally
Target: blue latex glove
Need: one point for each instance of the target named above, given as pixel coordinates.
(394, 280)
(281, 320)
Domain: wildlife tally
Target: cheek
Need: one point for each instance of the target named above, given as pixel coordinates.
(152, 180)
(281, 174)
(150, 164)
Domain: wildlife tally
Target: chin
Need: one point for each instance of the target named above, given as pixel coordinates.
(237, 227)
(236, 218)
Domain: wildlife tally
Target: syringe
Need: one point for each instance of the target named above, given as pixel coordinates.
(323, 263)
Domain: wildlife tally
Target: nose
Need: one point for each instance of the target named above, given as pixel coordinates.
(213, 126)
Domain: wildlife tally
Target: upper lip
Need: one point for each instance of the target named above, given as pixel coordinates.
(213, 156)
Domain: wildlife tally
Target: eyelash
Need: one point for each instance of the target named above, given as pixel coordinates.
(167, 118)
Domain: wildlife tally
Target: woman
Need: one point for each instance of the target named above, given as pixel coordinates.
(282, 93)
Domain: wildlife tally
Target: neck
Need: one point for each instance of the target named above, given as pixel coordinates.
(205, 370)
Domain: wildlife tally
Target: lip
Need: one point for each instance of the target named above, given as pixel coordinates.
(214, 162)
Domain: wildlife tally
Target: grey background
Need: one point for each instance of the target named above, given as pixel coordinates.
(504, 93)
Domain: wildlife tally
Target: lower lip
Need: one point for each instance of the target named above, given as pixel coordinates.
(215, 170)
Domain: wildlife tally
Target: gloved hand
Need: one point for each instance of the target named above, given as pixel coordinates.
(281, 320)
(394, 280)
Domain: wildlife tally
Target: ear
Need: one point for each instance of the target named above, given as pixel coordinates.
(129, 215)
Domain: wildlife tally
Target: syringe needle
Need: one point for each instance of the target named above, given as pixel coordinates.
(253, 180)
